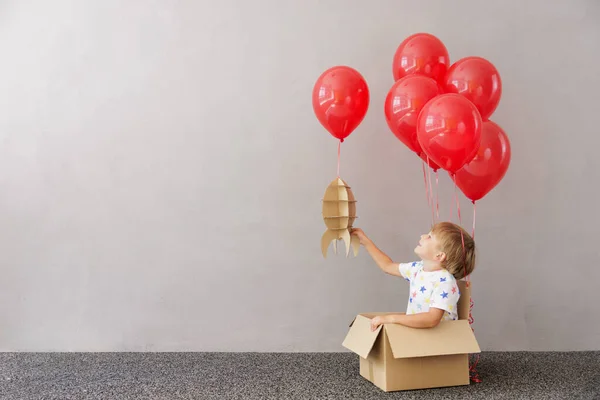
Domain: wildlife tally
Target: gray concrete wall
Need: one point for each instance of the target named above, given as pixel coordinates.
(161, 173)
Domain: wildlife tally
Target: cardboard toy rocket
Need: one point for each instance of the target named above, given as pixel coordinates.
(339, 213)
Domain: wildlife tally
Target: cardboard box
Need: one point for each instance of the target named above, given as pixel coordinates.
(396, 357)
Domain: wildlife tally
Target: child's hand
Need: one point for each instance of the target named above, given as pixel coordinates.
(378, 320)
(360, 235)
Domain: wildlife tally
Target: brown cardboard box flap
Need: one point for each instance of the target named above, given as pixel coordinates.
(360, 339)
(449, 337)
(464, 300)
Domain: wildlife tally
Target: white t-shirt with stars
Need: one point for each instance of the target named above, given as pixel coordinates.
(437, 289)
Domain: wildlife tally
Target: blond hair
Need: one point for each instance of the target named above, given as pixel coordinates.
(460, 260)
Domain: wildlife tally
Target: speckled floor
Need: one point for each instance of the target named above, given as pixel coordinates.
(278, 376)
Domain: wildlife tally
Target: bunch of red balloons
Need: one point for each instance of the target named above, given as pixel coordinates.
(441, 112)
(438, 110)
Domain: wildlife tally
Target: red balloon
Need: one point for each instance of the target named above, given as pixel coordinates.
(422, 54)
(478, 80)
(340, 100)
(477, 178)
(403, 103)
(449, 131)
(431, 164)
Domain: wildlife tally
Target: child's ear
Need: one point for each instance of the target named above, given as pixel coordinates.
(441, 256)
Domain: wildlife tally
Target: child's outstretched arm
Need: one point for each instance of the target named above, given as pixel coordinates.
(381, 259)
(428, 319)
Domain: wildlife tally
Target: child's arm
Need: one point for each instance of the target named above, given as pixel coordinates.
(381, 259)
(428, 319)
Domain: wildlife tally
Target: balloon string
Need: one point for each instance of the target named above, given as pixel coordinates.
(474, 358)
(457, 203)
(431, 204)
(338, 158)
(437, 195)
(473, 374)
(452, 208)
(474, 216)
(462, 237)
(426, 185)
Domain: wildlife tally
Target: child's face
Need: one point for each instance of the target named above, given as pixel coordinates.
(428, 247)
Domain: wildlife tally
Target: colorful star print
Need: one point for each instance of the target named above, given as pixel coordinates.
(430, 289)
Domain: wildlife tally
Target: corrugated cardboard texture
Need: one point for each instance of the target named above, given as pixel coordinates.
(339, 205)
(374, 367)
(360, 339)
(464, 301)
(372, 315)
(427, 372)
(403, 358)
(339, 213)
(420, 372)
(449, 337)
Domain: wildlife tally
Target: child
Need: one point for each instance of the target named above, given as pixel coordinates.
(433, 290)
